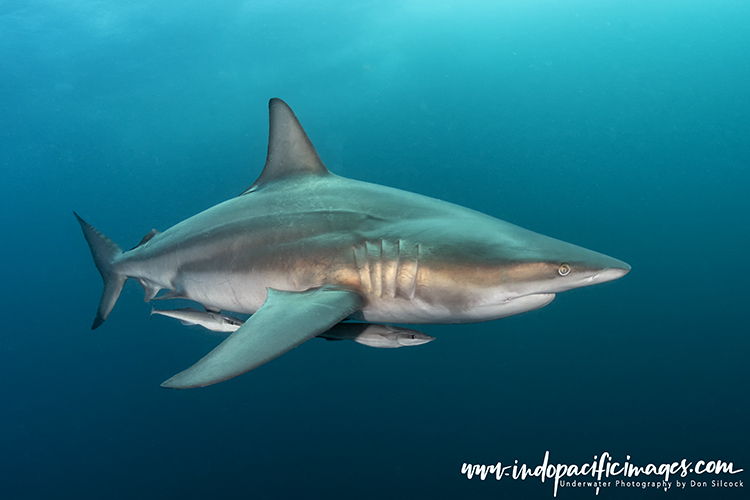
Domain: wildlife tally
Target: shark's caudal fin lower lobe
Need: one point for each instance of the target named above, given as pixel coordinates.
(105, 252)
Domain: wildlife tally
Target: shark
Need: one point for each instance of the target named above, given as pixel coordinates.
(302, 249)
(369, 334)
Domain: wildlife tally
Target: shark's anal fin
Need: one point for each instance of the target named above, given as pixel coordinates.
(285, 320)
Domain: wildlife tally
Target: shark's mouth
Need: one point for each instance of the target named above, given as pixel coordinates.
(516, 305)
(543, 297)
(512, 305)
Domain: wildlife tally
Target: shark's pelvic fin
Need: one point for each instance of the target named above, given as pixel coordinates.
(290, 151)
(105, 252)
(150, 289)
(284, 321)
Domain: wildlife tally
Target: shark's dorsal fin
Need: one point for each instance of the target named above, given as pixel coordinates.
(290, 151)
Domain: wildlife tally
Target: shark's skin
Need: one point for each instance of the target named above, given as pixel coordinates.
(304, 243)
(369, 334)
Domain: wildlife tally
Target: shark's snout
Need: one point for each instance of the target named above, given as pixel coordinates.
(611, 273)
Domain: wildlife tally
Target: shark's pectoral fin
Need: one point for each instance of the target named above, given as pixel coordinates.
(285, 320)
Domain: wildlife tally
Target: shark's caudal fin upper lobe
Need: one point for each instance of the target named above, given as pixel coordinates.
(105, 253)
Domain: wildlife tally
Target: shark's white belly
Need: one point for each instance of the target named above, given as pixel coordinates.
(407, 301)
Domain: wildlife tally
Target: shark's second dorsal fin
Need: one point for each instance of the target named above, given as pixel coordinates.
(290, 151)
(147, 238)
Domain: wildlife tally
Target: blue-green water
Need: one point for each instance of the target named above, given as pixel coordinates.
(619, 126)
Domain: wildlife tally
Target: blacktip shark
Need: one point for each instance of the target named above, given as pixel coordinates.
(369, 334)
(302, 249)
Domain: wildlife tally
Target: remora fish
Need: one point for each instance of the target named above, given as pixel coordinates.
(209, 320)
(377, 335)
(369, 334)
(301, 249)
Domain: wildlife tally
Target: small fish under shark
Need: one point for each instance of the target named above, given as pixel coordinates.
(303, 249)
(369, 334)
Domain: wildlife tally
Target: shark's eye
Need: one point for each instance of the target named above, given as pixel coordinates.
(564, 269)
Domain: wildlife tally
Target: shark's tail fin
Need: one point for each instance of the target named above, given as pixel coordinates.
(105, 252)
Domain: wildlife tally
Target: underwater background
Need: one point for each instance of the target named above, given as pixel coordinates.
(621, 126)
